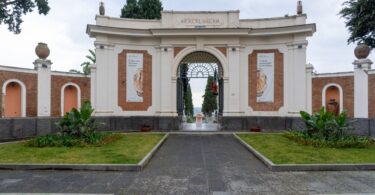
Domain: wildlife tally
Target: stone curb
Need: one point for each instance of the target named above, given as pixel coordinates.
(305, 167)
(88, 167)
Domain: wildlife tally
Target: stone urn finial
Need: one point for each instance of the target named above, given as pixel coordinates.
(101, 9)
(362, 51)
(299, 8)
(42, 51)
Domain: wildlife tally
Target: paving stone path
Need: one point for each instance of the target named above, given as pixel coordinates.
(192, 164)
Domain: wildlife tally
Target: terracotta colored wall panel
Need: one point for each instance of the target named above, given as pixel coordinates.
(70, 98)
(13, 99)
(30, 81)
(177, 50)
(332, 93)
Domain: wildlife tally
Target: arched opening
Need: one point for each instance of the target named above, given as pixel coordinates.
(13, 100)
(204, 71)
(70, 98)
(332, 98)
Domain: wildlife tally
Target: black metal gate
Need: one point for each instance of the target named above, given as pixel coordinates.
(199, 65)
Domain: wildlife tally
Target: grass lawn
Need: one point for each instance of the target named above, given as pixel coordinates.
(130, 149)
(281, 150)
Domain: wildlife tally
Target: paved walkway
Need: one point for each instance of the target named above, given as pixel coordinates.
(186, 164)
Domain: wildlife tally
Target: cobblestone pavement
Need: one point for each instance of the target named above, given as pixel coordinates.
(192, 164)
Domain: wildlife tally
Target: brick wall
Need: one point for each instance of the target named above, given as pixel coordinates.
(30, 81)
(347, 85)
(58, 81)
(371, 98)
(278, 82)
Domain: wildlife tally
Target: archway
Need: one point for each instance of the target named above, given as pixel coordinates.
(201, 65)
(13, 100)
(70, 97)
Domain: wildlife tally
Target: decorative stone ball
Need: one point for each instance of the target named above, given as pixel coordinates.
(42, 50)
(362, 51)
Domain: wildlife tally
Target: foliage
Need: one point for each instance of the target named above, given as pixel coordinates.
(190, 119)
(143, 9)
(11, 12)
(86, 66)
(150, 9)
(325, 125)
(347, 141)
(78, 123)
(360, 21)
(130, 10)
(188, 101)
(324, 129)
(77, 128)
(210, 101)
(281, 150)
(97, 138)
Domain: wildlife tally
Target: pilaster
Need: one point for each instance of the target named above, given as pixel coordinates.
(361, 68)
(43, 68)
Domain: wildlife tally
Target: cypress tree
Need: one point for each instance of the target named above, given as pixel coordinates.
(150, 9)
(209, 102)
(188, 102)
(130, 10)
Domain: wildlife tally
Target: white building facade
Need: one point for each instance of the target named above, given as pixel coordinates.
(262, 62)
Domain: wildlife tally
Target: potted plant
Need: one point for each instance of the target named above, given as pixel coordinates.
(255, 129)
(145, 128)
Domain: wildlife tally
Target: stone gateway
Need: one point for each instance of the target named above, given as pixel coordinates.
(262, 62)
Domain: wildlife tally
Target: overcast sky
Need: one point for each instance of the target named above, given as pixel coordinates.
(64, 30)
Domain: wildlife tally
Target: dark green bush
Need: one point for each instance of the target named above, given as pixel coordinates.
(60, 140)
(326, 125)
(324, 129)
(77, 128)
(78, 123)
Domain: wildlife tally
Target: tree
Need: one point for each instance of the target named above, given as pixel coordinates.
(91, 61)
(209, 102)
(130, 10)
(150, 9)
(360, 21)
(188, 102)
(143, 9)
(11, 12)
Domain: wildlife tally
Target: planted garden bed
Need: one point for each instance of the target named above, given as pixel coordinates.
(127, 149)
(281, 150)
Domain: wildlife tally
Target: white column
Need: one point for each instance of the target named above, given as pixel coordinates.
(104, 81)
(233, 108)
(296, 86)
(167, 93)
(43, 68)
(309, 73)
(361, 67)
(93, 86)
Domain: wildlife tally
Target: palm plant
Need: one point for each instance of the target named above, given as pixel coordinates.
(87, 64)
